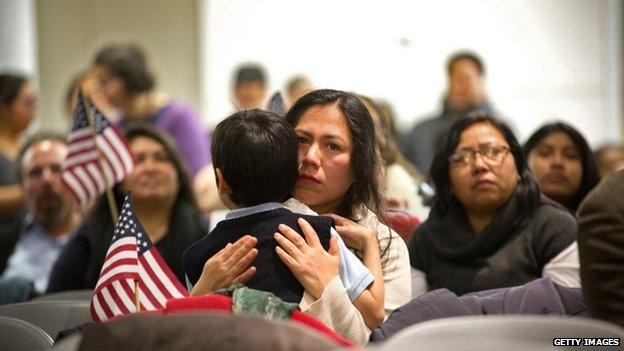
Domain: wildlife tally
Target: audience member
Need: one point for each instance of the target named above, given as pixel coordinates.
(128, 85)
(601, 249)
(250, 86)
(562, 163)
(489, 227)
(249, 89)
(255, 159)
(163, 202)
(18, 106)
(338, 173)
(400, 179)
(86, 82)
(297, 87)
(465, 94)
(610, 159)
(51, 217)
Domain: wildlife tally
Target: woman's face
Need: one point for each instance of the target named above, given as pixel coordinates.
(483, 184)
(23, 109)
(154, 177)
(325, 170)
(113, 87)
(556, 163)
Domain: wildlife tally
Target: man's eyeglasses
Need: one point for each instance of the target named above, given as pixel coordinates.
(493, 155)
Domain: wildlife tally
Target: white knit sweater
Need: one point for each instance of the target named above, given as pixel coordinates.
(334, 307)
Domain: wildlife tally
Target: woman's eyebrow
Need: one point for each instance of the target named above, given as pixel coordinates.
(301, 131)
(323, 136)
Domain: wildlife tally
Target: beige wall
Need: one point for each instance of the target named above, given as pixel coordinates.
(70, 31)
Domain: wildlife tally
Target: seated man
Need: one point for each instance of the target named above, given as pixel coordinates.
(31, 247)
(255, 155)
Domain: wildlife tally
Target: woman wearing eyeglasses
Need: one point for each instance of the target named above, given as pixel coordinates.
(489, 227)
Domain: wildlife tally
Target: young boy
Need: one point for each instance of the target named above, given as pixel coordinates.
(255, 156)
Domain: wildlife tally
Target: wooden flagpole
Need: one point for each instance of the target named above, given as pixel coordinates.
(137, 294)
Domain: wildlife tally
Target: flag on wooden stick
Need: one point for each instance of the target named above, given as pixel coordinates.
(132, 262)
(98, 156)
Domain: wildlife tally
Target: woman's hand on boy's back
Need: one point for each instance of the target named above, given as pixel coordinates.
(354, 235)
(229, 266)
(313, 267)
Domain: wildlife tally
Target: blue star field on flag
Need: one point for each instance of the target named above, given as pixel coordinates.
(81, 120)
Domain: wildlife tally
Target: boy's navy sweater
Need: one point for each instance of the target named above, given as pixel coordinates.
(272, 274)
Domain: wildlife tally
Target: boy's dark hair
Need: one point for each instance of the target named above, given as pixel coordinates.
(465, 55)
(257, 153)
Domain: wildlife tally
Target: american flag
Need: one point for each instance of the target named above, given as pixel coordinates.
(85, 173)
(131, 258)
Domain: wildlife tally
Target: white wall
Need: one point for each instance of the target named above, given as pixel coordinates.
(18, 48)
(545, 58)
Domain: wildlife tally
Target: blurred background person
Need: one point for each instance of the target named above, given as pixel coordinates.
(609, 158)
(127, 83)
(250, 87)
(30, 247)
(465, 94)
(86, 82)
(489, 226)
(18, 107)
(400, 178)
(562, 163)
(163, 202)
(296, 87)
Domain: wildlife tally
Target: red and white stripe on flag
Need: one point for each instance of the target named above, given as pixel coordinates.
(114, 292)
(85, 173)
(132, 258)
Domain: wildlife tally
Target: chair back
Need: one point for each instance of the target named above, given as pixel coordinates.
(16, 334)
(75, 295)
(493, 332)
(51, 316)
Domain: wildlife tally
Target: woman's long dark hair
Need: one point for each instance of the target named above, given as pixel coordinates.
(527, 191)
(590, 176)
(365, 190)
(366, 164)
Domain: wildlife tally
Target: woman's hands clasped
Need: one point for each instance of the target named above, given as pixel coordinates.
(313, 267)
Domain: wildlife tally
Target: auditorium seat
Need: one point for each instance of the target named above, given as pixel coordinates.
(51, 316)
(70, 295)
(198, 331)
(493, 332)
(16, 334)
(402, 222)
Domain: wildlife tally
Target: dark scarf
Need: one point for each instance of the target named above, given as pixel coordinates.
(456, 242)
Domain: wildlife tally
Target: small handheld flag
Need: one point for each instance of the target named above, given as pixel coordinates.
(132, 262)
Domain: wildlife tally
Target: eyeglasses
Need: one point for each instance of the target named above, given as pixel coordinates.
(493, 155)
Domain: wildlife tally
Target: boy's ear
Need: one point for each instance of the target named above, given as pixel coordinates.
(222, 185)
